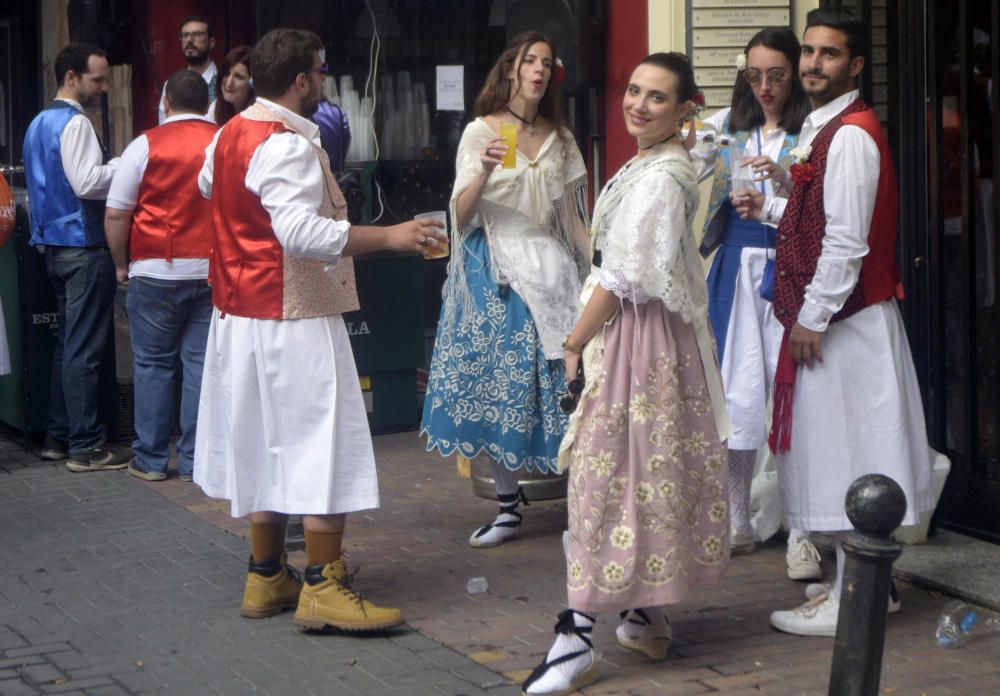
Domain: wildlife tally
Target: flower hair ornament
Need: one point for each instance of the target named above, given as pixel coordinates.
(697, 103)
(741, 62)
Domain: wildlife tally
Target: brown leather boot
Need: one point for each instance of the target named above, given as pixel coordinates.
(272, 587)
(328, 600)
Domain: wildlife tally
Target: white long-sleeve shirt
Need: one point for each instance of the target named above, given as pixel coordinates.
(849, 187)
(285, 172)
(124, 195)
(82, 159)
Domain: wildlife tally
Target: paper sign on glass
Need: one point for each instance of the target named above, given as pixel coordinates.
(451, 88)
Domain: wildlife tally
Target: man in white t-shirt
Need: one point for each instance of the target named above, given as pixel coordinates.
(159, 230)
(197, 43)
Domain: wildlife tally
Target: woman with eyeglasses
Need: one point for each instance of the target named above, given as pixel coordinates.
(519, 254)
(648, 518)
(763, 122)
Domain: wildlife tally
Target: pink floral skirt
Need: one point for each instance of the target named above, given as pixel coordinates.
(648, 483)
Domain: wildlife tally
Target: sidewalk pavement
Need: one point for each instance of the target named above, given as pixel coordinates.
(111, 585)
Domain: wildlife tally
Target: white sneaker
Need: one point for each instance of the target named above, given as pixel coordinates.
(817, 617)
(818, 589)
(645, 631)
(741, 543)
(802, 559)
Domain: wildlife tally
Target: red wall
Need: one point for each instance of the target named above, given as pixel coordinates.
(157, 53)
(627, 44)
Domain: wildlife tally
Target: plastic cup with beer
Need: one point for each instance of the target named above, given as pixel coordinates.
(508, 132)
(443, 248)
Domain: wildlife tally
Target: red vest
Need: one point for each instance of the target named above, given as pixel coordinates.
(250, 273)
(171, 218)
(803, 226)
(247, 256)
(800, 242)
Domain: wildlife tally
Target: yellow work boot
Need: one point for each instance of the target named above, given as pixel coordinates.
(272, 587)
(328, 600)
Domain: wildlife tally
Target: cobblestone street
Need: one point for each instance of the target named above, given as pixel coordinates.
(109, 586)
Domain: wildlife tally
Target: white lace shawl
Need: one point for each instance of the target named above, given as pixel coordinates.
(536, 222)
(643, 227)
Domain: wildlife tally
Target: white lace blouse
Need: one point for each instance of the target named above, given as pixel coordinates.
(535, 220)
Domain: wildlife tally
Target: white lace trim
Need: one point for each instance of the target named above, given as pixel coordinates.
(643, 227)
(535, 219)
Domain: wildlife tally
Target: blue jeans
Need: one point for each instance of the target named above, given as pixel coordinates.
(84, 282)
(168, 321)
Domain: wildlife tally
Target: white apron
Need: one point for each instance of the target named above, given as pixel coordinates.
(282, 423)
(859, 412)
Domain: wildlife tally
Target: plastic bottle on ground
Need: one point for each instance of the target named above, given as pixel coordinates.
(958, 621)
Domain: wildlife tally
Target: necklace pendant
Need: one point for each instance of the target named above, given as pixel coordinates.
(531, 131)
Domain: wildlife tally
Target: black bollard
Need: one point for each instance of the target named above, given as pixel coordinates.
(875, 505)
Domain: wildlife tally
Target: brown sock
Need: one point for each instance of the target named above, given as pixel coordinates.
(323, 547)
(267, 540)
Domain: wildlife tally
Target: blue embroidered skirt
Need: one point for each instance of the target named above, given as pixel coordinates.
(490, 387)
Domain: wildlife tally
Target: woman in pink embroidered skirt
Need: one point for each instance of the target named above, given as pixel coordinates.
(648, 511)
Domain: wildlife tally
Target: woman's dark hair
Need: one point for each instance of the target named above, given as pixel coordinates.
(679, 65)
(499, 88)
(747, 112)
(223, 109)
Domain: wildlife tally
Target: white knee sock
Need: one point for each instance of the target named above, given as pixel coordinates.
(636, 628)
(741, 466)
(570, 642)
(841, 557)
(506, 481)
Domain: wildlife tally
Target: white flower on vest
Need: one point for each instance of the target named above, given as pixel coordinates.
(801, 153)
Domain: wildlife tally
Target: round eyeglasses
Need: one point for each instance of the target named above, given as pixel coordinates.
(775, 76)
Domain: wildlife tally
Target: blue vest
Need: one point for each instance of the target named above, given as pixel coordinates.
(58, 216)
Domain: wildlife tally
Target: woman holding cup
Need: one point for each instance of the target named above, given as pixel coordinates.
(760, 130)
(519, 253)
(648, 519)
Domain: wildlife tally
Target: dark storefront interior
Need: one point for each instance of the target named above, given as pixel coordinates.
(934, 63)
(931, 77)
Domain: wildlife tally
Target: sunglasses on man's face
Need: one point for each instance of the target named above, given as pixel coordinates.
(324, 69)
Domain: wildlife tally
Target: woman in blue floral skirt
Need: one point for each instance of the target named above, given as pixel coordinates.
(520, 250)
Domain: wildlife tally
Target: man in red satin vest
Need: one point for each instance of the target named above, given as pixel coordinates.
(159, 231)
(846, 398)
(282, 426)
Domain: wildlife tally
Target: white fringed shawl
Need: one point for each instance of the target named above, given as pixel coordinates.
(535, 219)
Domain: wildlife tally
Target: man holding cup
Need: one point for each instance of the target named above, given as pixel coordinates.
(282, 425)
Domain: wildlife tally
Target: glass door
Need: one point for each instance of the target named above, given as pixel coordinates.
(963, 152)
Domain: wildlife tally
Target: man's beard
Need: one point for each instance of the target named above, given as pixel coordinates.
(198, 58)
(826, 88)
(310, 105)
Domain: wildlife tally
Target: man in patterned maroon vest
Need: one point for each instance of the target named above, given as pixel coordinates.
(847, 402)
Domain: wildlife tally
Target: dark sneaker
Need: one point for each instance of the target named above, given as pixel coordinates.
(99, 459)
(134, 470)
(53, 450)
